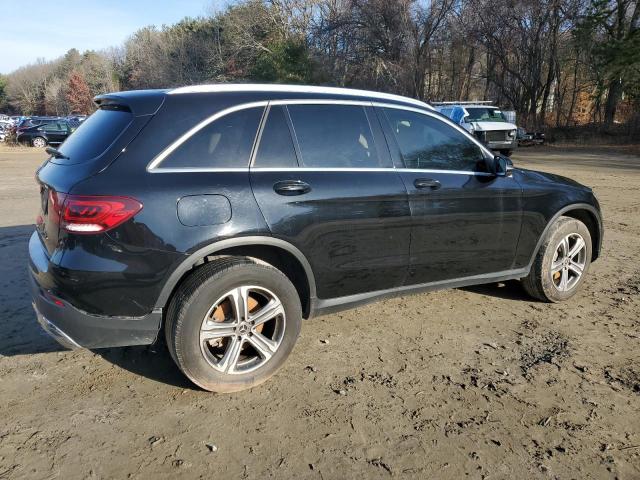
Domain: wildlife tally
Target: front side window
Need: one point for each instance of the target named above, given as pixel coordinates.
(334, 136)
(224, 143)
(428, 143)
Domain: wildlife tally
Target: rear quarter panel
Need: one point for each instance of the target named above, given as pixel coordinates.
(133, 262)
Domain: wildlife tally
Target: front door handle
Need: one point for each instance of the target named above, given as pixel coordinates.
(291, 187)
(422, 183)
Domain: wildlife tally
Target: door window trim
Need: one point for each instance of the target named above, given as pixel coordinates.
(154, 166)
(258, 141)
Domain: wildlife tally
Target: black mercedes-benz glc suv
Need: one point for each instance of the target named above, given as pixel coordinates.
(220, 216)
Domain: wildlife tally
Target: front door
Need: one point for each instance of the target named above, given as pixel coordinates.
(325, 183)
(466, 221)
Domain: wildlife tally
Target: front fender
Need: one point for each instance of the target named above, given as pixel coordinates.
(576, 210)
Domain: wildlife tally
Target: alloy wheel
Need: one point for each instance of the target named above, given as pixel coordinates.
(242, 330)
(568, 262)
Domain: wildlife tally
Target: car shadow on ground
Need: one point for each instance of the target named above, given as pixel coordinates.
(153, 362)
(509, 290)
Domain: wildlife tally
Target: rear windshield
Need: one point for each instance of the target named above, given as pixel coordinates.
(95, 135)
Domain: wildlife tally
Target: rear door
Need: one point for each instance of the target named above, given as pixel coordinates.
(324, 181)
(57, 132)
(49, 130)
(466, 221)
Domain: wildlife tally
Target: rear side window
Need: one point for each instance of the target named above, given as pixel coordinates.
(428, 143)
(224, 143)
(276, 148)
(95, 135)
(334, 136)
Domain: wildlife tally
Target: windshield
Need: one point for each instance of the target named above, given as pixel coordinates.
(484, 114)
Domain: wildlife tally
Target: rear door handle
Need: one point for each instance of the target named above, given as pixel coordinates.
(423, 183)
(291, 187)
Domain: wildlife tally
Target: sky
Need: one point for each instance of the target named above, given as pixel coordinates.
(29, 30)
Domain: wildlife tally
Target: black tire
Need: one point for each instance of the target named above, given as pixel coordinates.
(506, 153)
(194, 299)
(541, 283)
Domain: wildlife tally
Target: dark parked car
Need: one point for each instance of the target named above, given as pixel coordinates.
(45, 134)
(526, 138)
(221, 216)
(29, 122)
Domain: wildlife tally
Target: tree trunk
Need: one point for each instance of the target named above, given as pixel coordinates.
(614, 92)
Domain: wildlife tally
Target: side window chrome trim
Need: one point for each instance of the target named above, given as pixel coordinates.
(153, 166)
(198, 170)
(383, 169)
(258, 138)
(316, 169)
(455, 172)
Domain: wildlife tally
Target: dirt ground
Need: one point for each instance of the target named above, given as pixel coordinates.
(476, 383)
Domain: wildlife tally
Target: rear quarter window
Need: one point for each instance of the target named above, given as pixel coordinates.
(225, 143)
(94, 136)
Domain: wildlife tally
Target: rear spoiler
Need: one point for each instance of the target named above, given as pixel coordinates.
(139, 102)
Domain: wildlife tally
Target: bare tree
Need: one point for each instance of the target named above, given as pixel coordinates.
(554, 61)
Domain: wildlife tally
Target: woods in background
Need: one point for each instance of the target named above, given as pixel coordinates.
(556, 62)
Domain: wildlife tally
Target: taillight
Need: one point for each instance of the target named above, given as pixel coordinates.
(91, 214)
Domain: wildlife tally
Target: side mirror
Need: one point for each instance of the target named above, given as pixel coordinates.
(503, 166)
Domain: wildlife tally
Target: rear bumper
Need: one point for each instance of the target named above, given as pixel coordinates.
(74, 328)
(49, 327)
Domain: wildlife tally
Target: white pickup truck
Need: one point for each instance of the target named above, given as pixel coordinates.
(486, 122)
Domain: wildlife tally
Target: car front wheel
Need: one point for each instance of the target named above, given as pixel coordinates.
(233, 323)
(562, 262)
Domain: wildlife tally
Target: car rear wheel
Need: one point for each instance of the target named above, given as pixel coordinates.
(562, 262)
(39, 142)
(233, 323)
(506, 153)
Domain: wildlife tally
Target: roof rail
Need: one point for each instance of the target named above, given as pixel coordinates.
(277, 88)
(474, 102)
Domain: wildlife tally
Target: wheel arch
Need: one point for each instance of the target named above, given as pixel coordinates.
(588, 215)
(273, 251)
